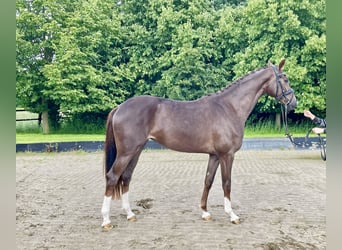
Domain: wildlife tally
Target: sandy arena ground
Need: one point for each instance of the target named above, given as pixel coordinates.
(280, 196)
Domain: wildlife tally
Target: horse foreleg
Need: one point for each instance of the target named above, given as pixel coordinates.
(209, 178)
(226, 162)
(228, 209)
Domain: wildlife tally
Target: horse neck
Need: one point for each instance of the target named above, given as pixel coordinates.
(243, 95)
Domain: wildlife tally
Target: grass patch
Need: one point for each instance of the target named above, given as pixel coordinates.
(39, 137)
(267, 128)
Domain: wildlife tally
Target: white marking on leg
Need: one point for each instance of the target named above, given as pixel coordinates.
(206, 215)
(126, 206)
(106, 209)
(228, 209)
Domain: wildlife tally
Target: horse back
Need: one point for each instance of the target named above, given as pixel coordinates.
(198, 126)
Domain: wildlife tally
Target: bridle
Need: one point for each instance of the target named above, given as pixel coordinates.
(284, 96)
(284, 93)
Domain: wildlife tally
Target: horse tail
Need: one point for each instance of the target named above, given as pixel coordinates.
(109, 145)
(110, 152)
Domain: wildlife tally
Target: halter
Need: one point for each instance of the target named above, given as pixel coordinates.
(284, 94)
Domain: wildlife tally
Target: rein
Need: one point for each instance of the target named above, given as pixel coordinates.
(288, 134)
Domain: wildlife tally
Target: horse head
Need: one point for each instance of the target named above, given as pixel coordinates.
(280, 89)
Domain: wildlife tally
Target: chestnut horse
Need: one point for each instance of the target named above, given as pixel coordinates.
(213, 124)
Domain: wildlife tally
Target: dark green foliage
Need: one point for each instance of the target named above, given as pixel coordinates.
(85, 57)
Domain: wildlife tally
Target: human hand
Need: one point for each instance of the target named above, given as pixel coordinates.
(318, 130)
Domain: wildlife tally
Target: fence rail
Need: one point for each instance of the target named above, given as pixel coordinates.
(38, 118)
(28, 119)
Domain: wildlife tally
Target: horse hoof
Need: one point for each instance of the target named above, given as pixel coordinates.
(107, 227)
(207, 218)
(236, 222)
(132, 219)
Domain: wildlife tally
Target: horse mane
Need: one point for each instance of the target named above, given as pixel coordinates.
(237, 81)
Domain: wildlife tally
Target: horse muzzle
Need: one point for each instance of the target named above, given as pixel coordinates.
(292, 104)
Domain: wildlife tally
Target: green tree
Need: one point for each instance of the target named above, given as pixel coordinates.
(271, 30)
(191, 67)
(67, 55)
(172, 51)
(84, 57)
(36, 29)
(83, 76)
(218, 4)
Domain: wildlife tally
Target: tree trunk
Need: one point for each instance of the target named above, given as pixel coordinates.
(45, 122)
(277, 121)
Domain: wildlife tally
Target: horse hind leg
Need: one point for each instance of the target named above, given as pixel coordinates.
(209, 178)
(113, 177)
(126, 179)
(114, 187)
(106, 223)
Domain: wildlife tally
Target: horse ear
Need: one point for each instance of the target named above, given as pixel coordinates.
(281, 64)
(270, 63)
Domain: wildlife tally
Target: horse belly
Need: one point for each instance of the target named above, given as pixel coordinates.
(182, 139)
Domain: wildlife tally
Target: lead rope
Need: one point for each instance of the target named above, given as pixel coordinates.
(284, 118)
(287, 133)
(322, 146)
